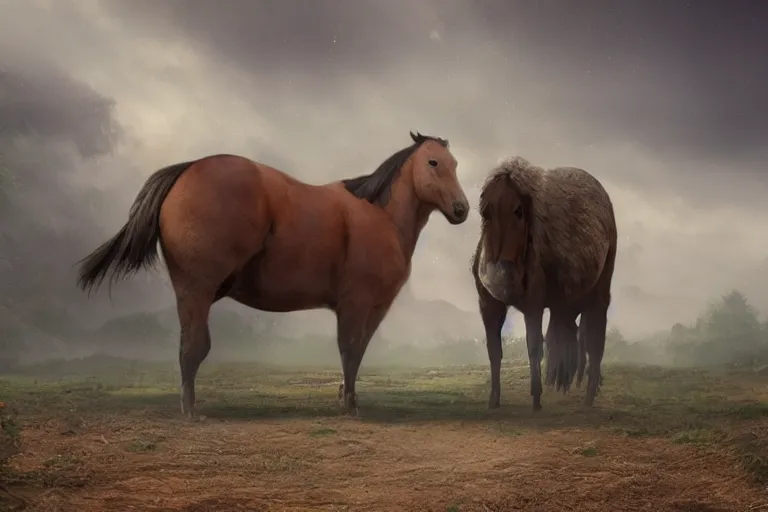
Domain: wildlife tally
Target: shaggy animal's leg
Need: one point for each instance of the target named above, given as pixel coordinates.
(596, 323)
(535, 340)
(581, 339)
(194, 346)
(493, 313)
(355, 328)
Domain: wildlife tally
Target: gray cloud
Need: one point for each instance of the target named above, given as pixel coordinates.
(661, 100)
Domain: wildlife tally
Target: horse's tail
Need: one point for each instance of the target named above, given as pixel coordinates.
(135, 245)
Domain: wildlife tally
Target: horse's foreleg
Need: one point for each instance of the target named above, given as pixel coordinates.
(194, 346)
(535, 340)
(355, 328)
(493, 313)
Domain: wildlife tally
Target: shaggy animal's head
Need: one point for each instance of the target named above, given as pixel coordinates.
(506, 215)
(506, 209)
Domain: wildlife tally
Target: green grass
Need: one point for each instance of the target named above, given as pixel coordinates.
(688, 406)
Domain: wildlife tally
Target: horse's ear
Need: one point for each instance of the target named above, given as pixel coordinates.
(415, 137)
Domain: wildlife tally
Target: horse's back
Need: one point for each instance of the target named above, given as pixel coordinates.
(217, 215)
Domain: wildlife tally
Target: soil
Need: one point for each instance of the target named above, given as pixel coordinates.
(338, 464)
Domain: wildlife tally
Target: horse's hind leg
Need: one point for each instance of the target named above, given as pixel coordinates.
(194, 345)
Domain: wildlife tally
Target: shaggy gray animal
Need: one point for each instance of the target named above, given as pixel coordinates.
(548, 241)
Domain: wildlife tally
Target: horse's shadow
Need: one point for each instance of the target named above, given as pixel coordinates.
(390, 407)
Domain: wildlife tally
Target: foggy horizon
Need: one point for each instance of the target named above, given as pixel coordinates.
(661, 101)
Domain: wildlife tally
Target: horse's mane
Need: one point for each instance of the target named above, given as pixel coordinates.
(375, 187)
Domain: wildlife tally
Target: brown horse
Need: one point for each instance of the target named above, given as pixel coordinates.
(231, 227)
(548, 240)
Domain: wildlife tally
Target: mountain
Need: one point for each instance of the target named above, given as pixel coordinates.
(410, 321)
(413, 320)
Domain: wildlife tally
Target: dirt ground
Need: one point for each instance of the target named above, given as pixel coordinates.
(149, 459)
(346, 464)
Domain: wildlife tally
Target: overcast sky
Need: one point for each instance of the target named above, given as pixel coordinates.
(663, 100)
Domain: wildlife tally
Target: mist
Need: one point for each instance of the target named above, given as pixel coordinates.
(663, 101)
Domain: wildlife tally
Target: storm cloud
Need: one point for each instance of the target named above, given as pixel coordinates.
(664, 101)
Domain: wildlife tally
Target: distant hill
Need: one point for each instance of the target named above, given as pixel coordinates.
(238, 330)
(413, 320)
(410, 321)
(20, 338)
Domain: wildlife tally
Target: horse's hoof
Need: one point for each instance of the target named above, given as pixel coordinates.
(493, 404)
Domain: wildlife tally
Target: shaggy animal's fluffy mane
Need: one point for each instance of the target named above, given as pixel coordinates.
(517, 173)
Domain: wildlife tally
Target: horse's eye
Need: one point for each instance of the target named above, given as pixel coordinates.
(432, 163)
(519, 211)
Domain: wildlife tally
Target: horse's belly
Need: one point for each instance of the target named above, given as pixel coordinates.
(282, 283)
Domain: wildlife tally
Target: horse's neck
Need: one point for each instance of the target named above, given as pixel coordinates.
(408, 214)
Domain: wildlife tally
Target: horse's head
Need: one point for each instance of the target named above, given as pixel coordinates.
(434, 178)
(506, 215)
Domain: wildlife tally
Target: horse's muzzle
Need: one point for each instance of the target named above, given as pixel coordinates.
(459, 214)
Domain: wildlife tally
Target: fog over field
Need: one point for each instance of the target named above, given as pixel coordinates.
(664, 101)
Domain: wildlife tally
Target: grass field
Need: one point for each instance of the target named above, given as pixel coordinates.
(108, 435)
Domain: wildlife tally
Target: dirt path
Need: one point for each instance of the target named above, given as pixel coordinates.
(347, 464)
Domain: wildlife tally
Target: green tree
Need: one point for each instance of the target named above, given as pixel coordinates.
(731, 318)
(727, 332)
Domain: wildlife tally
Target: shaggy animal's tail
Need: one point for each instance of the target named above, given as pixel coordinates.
(135, 245)
(562, 360)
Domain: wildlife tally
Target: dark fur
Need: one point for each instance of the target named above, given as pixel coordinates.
(135, 246)
(375, 187)
(568, 260)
